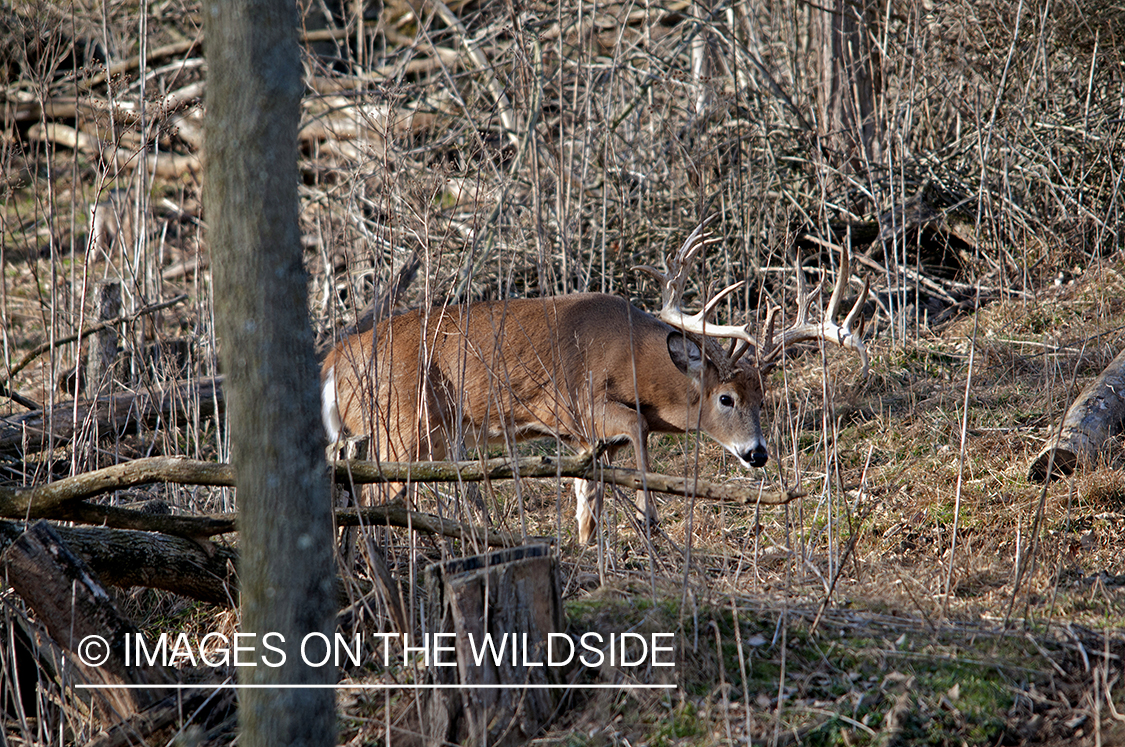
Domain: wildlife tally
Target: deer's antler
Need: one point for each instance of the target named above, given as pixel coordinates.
(769, 353)
(827, 329)
(672, 292)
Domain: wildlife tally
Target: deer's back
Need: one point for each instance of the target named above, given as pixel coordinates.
(542, 366)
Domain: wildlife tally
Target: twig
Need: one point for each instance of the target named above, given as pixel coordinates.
(19, 399)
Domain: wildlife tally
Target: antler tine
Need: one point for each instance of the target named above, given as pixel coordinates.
(803, 309)
(766, 352)
(857, 307)
(802, 288)
(828, 330)
(672, 282)
(672, 291)
(718, 297)
(842, 277)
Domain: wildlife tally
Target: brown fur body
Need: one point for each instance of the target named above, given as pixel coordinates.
(582, 368)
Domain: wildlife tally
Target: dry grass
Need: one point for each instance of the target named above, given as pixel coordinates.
(923, 591)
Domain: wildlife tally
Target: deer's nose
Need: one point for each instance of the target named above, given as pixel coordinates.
(756, 457)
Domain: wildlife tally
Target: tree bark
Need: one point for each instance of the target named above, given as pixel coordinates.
(288, 582)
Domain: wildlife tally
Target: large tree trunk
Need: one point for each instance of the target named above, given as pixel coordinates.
(250, 196)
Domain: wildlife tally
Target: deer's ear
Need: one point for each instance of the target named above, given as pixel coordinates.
(685, 354)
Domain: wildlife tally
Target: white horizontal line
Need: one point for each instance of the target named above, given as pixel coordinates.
(232, 686)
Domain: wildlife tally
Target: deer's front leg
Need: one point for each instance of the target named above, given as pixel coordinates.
(647, 512)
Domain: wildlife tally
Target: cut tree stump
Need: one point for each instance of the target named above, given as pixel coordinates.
(513, 596)
(1091, 422)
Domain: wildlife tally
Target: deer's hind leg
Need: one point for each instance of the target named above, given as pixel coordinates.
(589, 495)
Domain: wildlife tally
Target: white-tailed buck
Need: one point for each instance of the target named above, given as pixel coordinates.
(585, 369)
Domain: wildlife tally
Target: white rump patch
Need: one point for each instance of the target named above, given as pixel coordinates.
(329, 407)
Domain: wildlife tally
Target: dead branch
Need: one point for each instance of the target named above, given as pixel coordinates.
(582, 465)
(199, 528)
(398, 515)
(45, 501)
(163, 165)
(184, 48)
(190, 527)
(168, 50)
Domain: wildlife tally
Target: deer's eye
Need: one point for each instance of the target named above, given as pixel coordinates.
(726, 400)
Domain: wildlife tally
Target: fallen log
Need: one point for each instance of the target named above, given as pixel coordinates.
(125, 558)
(119, 413)
(81, 617)
(1088, 427)
(205, 707)
(175, 554)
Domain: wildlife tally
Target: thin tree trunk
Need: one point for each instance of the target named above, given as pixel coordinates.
(253, 97)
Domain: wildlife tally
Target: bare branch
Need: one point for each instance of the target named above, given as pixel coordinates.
(51, 500)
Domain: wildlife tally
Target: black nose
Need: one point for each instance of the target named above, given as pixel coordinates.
(757, 457)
